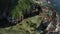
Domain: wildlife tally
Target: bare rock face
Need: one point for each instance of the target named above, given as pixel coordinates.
(39, 1)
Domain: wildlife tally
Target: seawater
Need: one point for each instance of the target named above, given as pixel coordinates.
(57, 5)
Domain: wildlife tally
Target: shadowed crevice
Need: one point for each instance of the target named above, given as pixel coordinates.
(7, 5)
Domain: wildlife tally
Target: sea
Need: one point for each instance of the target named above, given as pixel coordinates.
(56, 4)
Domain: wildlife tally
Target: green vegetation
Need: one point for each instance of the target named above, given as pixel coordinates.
(28, 25)
(22, 5)
(23, 27)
